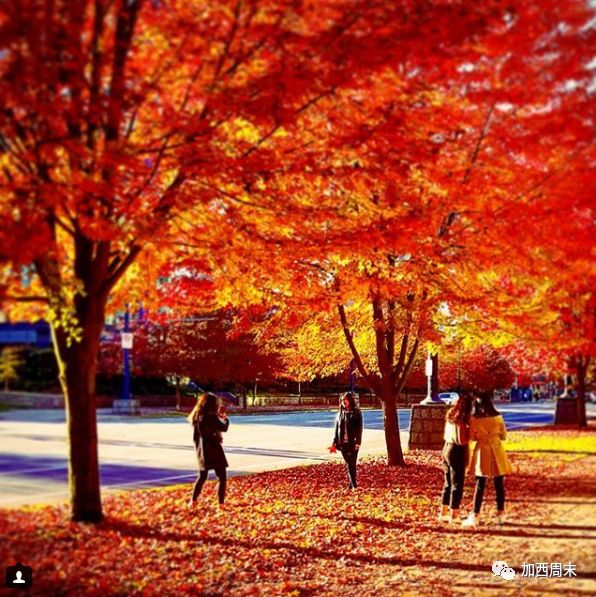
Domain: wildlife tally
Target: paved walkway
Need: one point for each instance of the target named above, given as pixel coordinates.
(553, 529)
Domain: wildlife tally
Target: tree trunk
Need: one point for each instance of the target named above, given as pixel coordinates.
(77, 365)
(395, 455)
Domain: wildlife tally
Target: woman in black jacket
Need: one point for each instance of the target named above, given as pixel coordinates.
(348, 434)
(209, 421)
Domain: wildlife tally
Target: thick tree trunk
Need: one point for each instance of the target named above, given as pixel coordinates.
(83, 469)
(77, 365)
(395, 456)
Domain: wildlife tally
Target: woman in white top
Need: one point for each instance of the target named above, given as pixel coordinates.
(455, 456)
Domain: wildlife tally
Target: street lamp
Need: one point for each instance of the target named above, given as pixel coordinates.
(428, 370)
(126, 347)
(125, 405)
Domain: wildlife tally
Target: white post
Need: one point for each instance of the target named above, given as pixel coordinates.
(428, 370)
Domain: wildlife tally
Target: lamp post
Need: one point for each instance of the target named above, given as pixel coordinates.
(126, 346)
(125, 405)
(428, 371)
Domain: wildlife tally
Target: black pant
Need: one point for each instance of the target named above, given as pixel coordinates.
(454, 463)
(221, 489)
(479, 493)
(350, 454)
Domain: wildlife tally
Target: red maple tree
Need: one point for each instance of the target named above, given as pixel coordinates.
(356, 146)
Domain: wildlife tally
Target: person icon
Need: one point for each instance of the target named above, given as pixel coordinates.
(18, 576)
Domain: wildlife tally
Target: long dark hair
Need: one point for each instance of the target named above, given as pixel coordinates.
(484, 407)
(206, 403)
(351, 399)
(461, 411)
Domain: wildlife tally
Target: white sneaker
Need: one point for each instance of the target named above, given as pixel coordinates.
(444, 518)
(500, 519)
(469, 522)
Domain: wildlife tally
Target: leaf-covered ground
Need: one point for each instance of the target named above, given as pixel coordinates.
(302, 532)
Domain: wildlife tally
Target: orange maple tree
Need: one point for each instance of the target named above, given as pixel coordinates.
(419, 207)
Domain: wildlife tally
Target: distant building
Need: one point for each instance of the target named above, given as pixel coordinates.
(25, 333)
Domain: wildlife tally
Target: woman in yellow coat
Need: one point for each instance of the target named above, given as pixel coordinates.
(489, 458)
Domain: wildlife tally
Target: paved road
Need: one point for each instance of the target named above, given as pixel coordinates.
(517, 416)
(158, 451)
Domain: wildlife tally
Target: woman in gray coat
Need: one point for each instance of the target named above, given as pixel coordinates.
(209, 421)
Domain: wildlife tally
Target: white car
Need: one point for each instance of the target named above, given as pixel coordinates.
(448, 397)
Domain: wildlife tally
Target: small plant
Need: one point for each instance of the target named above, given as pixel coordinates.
(10, 361)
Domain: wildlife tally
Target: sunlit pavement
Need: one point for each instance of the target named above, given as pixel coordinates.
(144, 452)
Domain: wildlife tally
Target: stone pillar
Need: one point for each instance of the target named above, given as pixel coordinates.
(427, 425)
(566, 411)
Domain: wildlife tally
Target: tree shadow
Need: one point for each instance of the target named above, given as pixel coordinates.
(534, 500)
(519, 533)
(530, 486)
(457, 530)
(498, 588)
(141, 531)
(113, 475)
(563, 527)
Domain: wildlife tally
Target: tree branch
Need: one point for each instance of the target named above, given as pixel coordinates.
(26, 299)
(361, 368)
(406, 373)
(118, 267)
